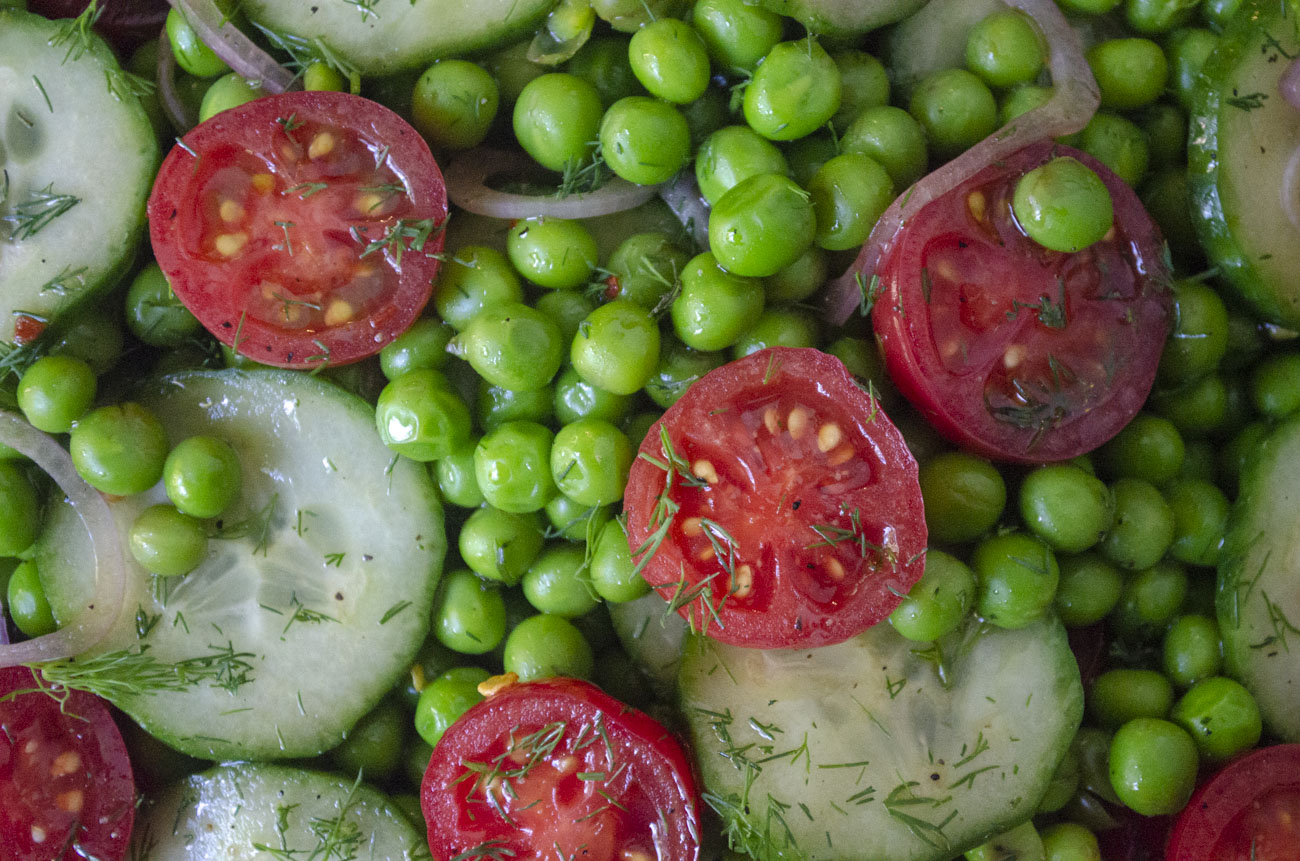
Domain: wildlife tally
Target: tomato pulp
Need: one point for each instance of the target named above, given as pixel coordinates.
(1012, 350)
(1249, 811)
(557, 768)
(775, 505)
(302, 230)
(66, 789)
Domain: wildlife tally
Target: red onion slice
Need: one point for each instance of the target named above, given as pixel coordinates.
(691, 208)
(178, 115)
(229, 43)
(1289, 84)
(467, 187)
(1074, 101)
(92, 623)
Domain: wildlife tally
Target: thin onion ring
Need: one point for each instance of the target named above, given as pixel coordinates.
(1074, 101)
(229, 43)
(1290, 190)
(691, 208)
(467, 187)
(177, 114)
(1289, 84)
(90, 625)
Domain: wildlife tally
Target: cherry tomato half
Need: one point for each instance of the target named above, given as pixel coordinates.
(557, 768)
(66, 790)
(779, 503)
(1012, 350)
(1249, 811)
(301, 229)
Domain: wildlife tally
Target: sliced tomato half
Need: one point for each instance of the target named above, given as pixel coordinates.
(775, 505)
(66, 789)
(302, 229)
(559, 769)
(1012, 350)
(1249, 811)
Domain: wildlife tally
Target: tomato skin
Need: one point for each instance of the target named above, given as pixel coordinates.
(604, 750)
(1010, 350)
(815, 495)
(303, 229)
(60, 768)
(1249, 810)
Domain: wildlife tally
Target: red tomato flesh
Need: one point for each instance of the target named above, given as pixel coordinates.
(303, 229)
(1009, 349)
(1249, 811)
(558, 766)
(66, 790)
(783, 509)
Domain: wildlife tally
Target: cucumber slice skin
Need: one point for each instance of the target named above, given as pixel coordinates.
(226, 812)
(402, 35)
(1238, 149)
(852, 739)
(55, 115)
(328, 609)
(841, 19)
(1258, 598)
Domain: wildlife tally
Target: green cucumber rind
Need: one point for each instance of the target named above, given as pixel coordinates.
(813, 798)
(227, 811)
(312, 447)
(1258, 597)
(1216, 226)
(399, 35)
(112, 201)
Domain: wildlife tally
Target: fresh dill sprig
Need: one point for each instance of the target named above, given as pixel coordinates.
(77, 33)
(400, 236)
(35, 213)
(338, 838)
(133, 671)
(303, 52)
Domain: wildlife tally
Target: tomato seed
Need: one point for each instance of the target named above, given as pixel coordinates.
(977, 205)
(744, 582)
(829, 436)
(230, 211)
(771, 421)
(71, 801)
(230, 244)
(321, 145)
(263, 183)
(338, 313)
(835, 569)
(798, 421)
(65, 763)
(692, 528)
(843, 454)
(704, 469)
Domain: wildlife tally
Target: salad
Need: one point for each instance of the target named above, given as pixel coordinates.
(789, 429)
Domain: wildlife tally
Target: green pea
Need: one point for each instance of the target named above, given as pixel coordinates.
(1091, 747)
(1149, 602)
(20, 520)
(807, 154)
(166, 542)
(1158, 16)
(1022, 841)
(1017, 576)
(566, 309)
(25, 598)
(512, 467)
(455, 476)
(1192, 650)
(575, 398)
(454, 104)
(1070, 841)
(1063, 205)
(715, 306)
(644, 140)
(638, 425)
(1120, 695)
(1233, 456)
(202, 476)
(737, 34)
(793, 92)
(445, 699)
(558, 583)
(1166, 129)
(512, 346)
(1221, 716)
(495, 406)
(1168, 201)
(1089, 589)
(849, 193)
(799, 280)
(956, 109)
(320, 75)
(1131, 73)
(679, 367)
(590, 461)
(617, 347)
(154, 314)
(574, 521)
(374, 744)
(1200, 519)
(1149, 448)
(1153, 766)
(557, 253)
(499, 545)
(474, 278)
(706, 115)
(864, 83)
(1065, 506)
(228, 91)
(613, 574)
(1200, 336)
(119, 449)
(1202, 406)
(95, 336)
(56, 391)
(646, 267)
(1219, 12)
(191, 53)
(542, 646)
(419, 415)
(670, 60)
(1119, 144)
(469, 616)
(936, 605)
(556, 119)
(733, 154)
(1005, 49)
(1188, 50)
(1063, 785)
(761, 225)
(1275, 385)
(603, 63)
(778, 327)
(964, 496)
(1022, 100)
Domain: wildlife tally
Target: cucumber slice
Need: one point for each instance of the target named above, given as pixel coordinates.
(653, 636)
(844, 18)
(248, 811)
(806, 753)
(1259, 582)
(382, 37)
(309, 612)
(1243, 136)
(72, 218)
